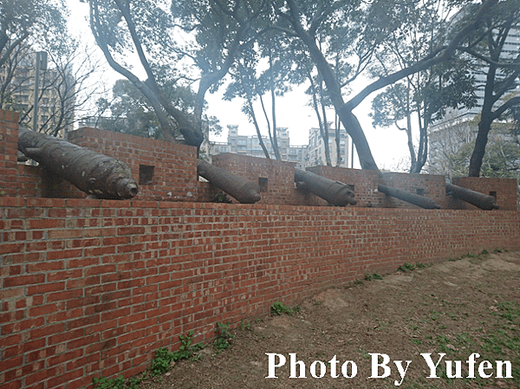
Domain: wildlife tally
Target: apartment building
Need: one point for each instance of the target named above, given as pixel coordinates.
(56, 95)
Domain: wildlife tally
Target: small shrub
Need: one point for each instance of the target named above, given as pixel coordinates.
(224, 338)
(163, 358)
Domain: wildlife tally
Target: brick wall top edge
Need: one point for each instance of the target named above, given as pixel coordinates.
(9, 115)
(132, 139)
(33, 202)
(483, 179)
(250, 159)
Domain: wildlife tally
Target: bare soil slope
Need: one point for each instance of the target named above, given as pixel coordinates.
(457, 307)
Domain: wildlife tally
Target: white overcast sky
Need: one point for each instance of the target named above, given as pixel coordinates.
(388, 145)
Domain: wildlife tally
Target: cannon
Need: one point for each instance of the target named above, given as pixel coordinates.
(245, 191)
(336, 193)
(477, 199)
(411, 198)
(93, 173)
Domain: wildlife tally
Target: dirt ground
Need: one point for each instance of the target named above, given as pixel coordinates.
(457, 307)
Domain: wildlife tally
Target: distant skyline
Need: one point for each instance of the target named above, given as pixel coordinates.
(388, 145)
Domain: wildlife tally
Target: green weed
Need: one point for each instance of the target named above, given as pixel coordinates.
(163, 358)
(224, 336)
(278, 308)
(406, 267)
(116, 383)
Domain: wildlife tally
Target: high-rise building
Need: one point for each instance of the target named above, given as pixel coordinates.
(316, 152)
(303, 156)
(460, 126)
(56, 95)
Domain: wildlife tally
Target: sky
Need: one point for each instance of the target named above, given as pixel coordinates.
(388, 145)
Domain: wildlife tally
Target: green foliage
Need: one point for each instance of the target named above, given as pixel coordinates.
(370, 277)
(112, 383)
(406, 267)
(163, 358)
(245, 325)
(278, 308)
(224, 336)
(221, 197)
(116, 383)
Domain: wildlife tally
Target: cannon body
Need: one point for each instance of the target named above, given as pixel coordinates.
(336, 193)
(411, 198)
(91, 172)
(477, 199)
(245, 191)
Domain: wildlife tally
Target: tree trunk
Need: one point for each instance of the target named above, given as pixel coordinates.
(91, 172)
(257, 127)
(326, 128)
(484, 126)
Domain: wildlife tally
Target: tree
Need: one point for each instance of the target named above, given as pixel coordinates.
(451, 142)
(144, 28)
(244, 85)
(424, 96)
(305, 19)
(130, 112)
(148, 28)
(22, 19)
(501, 71)
(421, 97)
(63, 90)
(264, 70)
(502, 158)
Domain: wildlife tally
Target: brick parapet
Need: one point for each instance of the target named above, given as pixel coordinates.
(165, 170)
(168, 172)
(504, 190)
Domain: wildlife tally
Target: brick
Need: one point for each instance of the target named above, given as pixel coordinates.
(23, 280)
(11, 248)
(45, 224)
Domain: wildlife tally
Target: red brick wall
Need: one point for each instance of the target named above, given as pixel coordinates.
(9, 184)
(94, 287)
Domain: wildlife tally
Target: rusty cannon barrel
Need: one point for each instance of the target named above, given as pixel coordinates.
(477, 199)
(245, 191)
(336, 193)
(91, 172)
(411, 198)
